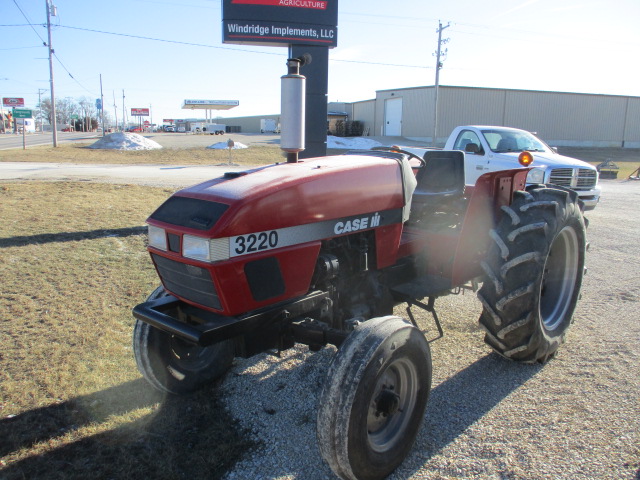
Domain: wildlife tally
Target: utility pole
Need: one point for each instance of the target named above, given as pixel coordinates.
(439, 53)
(115, 108)
(102, 105)
(51, 51)
(40, 91)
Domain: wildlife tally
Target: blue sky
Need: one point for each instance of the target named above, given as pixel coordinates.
(587, 46)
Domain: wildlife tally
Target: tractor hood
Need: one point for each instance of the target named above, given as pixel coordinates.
(285, 195)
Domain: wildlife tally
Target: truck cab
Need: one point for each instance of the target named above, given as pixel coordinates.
(493, 148)
(489, 148)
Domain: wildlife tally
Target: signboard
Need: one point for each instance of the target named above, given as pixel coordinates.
(74, 116)
(12, 102)
(147, 122)
(98, 104)
(139, 112)
(280, 22)
(210, 104)
(22, 113)
(167, 120)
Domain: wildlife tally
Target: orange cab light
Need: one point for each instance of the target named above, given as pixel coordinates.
(525, 159)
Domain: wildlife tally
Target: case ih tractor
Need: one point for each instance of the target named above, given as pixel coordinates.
(320, 252)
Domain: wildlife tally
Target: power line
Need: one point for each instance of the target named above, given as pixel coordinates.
(30, 24)
(45, 44)
(204, 45)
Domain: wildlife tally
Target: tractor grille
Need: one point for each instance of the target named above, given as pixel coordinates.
(576, 178)
(187, 281)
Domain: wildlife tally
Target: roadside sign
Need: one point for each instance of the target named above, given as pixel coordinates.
(22, 113)
(74, 116)
(280, 22)
(139, 112)
(147, 122)
(12, 102)
(98, 104)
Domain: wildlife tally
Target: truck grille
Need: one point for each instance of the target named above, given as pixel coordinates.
(187, 281)
(576, 178)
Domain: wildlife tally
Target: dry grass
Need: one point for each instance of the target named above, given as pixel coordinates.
(72, 404)
(79, 153)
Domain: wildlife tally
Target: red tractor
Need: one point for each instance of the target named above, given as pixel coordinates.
(320, 252)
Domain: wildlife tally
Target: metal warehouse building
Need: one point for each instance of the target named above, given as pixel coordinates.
(562, 119)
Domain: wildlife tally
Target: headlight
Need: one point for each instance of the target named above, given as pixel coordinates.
(157, 238)
(196, 248)
(535, 175)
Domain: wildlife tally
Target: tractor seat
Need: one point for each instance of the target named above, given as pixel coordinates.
(441, 181)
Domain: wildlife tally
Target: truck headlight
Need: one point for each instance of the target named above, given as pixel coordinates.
(535, 175)
(196, 248)
(157, 238)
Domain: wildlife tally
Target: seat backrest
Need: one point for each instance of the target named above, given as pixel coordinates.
(443, 173)
(507, 143)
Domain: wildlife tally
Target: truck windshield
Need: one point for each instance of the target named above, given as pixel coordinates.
(501, 141)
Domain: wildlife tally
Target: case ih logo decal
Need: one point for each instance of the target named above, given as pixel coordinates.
(319, 5)
(312, 232)
(356, 224)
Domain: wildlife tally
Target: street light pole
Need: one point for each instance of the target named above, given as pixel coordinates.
(53, 96)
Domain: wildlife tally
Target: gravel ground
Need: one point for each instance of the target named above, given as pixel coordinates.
(578, 417)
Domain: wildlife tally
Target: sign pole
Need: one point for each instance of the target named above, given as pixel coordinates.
(24, 138)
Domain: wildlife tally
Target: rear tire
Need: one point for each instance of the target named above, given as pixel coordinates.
(172, 365)
(533, 274)
(374, 399)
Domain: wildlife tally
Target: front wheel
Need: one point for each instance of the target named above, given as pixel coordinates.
(533, 274)
(374, 399)
(173, 365)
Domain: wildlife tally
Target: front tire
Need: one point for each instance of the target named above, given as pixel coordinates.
(374, 399)
(533, 274)
(173, 365)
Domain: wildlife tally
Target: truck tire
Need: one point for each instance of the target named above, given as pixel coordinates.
(374, 398)
(172, 365)
(533, 274)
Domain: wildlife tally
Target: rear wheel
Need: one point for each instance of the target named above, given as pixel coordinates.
(374, 399)
(173, 365)
(533, 274)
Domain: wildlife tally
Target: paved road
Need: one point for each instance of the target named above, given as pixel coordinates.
(9, 140)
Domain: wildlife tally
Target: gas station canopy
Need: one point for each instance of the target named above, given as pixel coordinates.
(210, 104)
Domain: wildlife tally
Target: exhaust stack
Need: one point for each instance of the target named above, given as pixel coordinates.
(292, 111)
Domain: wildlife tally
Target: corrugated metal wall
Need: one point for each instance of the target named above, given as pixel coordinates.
(415, 110)
(632, 123)
(563, 119)
(246, 124)
(365, 112)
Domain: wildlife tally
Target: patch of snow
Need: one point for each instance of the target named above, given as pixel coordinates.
(224, 146)
(351, 143)
(125, 141)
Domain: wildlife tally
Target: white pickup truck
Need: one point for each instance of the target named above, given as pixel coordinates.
(490, 148)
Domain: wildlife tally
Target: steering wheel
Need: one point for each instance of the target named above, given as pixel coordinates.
(405, 152)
